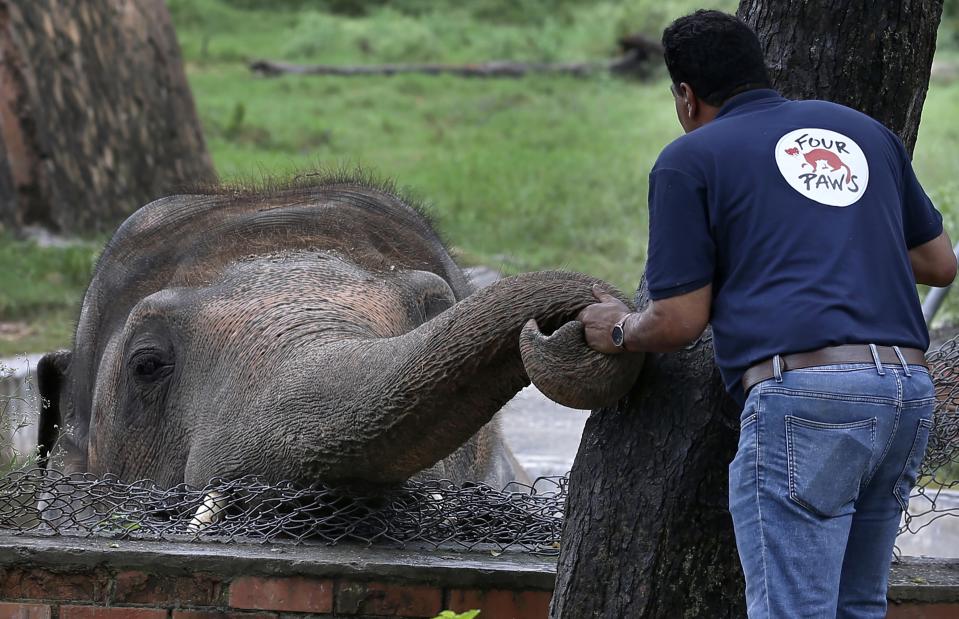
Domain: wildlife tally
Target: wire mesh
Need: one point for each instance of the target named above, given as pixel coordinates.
(936, 494)
(429, 513)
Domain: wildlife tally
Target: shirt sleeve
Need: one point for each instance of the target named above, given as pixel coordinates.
(921, 221)
(682, 253)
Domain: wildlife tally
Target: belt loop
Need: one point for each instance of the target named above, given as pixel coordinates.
(778, 368)
(902, 360)
(875, 359)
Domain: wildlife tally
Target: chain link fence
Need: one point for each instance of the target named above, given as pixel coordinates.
(432, 514)
(935, 495)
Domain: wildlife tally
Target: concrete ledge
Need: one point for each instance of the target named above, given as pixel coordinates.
(509, 570)
(926, 580)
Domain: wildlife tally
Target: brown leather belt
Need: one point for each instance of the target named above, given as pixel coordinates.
(848, 353)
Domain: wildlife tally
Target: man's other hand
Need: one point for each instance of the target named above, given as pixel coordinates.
(599, 320)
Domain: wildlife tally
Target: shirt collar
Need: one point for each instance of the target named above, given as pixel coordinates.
(743, 99)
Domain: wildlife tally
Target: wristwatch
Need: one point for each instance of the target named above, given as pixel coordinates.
(618, 334)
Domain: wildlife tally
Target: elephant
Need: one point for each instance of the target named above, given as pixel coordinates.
(312, 331)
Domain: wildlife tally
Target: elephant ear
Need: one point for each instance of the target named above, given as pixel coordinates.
(51, 378)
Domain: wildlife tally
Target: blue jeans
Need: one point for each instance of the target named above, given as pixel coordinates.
(827, 458)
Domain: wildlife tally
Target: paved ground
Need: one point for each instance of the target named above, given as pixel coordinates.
(543, 435)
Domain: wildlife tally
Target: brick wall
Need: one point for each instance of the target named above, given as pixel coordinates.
(49, 578)
(130, 594)
(63, 578)
(924, 589)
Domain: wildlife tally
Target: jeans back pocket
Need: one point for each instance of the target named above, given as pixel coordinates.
(827, 462)
(910, 471)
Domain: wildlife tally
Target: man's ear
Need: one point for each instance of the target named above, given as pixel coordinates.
(51, 378)
(690, 101)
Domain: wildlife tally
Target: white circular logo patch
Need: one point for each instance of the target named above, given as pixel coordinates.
(823, 165)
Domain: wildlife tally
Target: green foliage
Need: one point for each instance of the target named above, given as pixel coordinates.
(949, 28)
(448, 614)
(295, 5)
(387, 36)
(418, 30)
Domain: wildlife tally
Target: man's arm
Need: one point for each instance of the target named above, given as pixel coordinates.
(664, 326)
(933, 262)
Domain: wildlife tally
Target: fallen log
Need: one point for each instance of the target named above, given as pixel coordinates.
(272, 68)
(625, 64)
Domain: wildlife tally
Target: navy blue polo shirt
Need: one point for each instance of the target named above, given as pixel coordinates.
(801, 215)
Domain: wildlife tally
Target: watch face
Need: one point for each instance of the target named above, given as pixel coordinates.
(617, 335)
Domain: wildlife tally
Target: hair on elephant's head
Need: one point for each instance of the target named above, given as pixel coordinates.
(314, 332)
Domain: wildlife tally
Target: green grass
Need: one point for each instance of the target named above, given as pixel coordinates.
(513, 183)
(42, 287)
(543, 172)
(221, 31)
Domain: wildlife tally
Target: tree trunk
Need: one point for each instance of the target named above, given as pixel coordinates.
(647, 532)
(96, 117)
(874, 57)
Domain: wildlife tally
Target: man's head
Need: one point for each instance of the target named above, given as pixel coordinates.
(710, 57)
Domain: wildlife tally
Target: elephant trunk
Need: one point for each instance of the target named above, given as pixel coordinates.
(415, 398)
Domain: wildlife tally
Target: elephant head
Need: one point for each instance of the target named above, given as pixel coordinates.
(310, 333)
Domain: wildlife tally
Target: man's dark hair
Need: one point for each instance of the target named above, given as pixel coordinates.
(717, 54)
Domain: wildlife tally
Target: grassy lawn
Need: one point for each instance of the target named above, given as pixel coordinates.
(543, 172)
(41, 291)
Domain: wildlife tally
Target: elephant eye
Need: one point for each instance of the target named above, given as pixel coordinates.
(149, 366)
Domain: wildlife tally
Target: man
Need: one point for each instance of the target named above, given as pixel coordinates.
(798, 230)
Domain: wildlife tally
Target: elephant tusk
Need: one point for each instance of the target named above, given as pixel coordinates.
(209, 512)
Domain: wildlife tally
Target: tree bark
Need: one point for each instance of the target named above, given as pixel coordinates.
(874, 57)
(96, 117)
(647, 532)
(8, 193)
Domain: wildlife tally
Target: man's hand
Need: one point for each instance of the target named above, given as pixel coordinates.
(663, 326)
(599, 319)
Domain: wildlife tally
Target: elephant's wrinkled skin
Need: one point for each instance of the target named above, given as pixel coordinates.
(315, 333)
